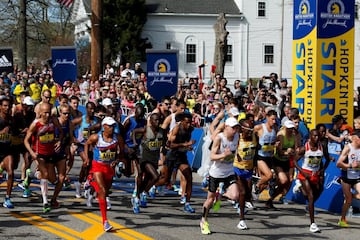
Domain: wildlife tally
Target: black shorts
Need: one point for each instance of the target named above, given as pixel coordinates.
(214, 182)
(285, 165)
(268, 160)
(175, 158)
(352, 182)
(18, 149)
(52, 158)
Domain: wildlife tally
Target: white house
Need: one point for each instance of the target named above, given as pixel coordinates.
(260, 34)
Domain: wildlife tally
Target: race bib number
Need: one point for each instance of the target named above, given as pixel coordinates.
(47, 138)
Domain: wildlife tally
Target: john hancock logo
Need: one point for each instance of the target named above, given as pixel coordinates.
(304, 16)
(162, 72)
(335, 14)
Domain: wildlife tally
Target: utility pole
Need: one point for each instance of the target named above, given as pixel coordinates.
(22, 36)
(96, 39)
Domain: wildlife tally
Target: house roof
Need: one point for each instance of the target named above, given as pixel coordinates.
(192, 6)
(186, 6)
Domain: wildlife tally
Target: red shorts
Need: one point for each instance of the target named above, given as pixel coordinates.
(108, 171)
(314, 176)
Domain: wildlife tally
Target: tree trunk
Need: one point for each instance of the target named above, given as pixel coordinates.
(22, 37)
(96, 39)
(221, 43)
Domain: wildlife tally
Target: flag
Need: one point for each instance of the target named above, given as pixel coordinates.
(65, 3)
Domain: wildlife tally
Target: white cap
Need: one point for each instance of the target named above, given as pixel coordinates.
(28, 101)
(213, 90)
(234, 111)
(289, 124)
(232, 122)
(108, 121)
(106, 102)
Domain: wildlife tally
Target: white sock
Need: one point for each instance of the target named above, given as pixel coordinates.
(44, 190)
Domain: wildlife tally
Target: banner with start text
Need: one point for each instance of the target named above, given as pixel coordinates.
(323, 60)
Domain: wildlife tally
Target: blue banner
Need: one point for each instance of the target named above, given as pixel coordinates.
(194, 157)
(64, 64)
(162, 73)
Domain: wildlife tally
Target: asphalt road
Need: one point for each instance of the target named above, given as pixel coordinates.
(164, 218)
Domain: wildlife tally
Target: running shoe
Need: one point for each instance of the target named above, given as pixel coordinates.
(297, 186)
(343, 223)
(204, 226)
(26, 181)
(7, 203)
(188, 208)
(183, 200)
(160, 190)
(152, 192)
(77, 189)
(314, 228)
(135, 202)
(89, 200)
(205, 182)
(217, 205)
(46, 208)
(143, 200)
(108, 202)
(67, 184)
(238, 210)
(175, 188)
(134, 193)
(242, 225)
(21, 185)
(107, 226)
(221, 188)
(54, 204)
(283, 200)
(269, 204)
(26, 193)
(249, 205)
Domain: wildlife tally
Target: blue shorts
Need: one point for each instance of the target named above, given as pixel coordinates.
(243, 173)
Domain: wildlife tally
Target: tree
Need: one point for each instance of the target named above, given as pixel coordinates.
(123, 21)
(47, 24)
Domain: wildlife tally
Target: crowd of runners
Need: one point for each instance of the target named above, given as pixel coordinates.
(254, 140)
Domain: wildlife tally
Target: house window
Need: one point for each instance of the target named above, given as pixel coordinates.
(229, 53)
(168, 45)
(190, 53)
(268, 54)
(261, 9)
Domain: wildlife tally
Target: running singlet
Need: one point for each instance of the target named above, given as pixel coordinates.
(82, 133)
(288, 143)
(5, 138)
(354, 155)
(312, 159)
(105, 152)
(246, 150)
(44, 140)
(151, 144)
(224, 168)
(129, 134)
(267, 142)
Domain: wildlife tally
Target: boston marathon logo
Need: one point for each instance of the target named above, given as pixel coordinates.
(162, 72)
(335, 14)
(304, 16)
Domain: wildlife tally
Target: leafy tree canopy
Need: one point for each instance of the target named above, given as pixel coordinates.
(123, 21)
